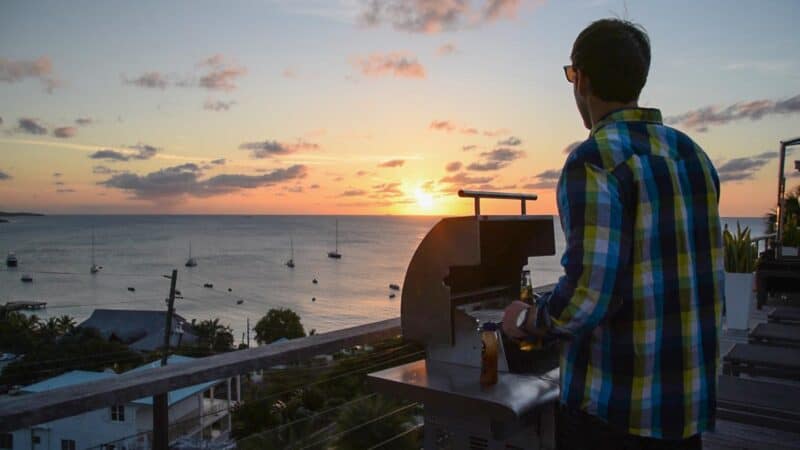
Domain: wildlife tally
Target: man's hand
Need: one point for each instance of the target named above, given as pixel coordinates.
(510, 316)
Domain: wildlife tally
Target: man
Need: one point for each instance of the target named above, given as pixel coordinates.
(638, 308)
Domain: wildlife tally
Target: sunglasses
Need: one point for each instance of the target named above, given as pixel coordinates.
(571, 73)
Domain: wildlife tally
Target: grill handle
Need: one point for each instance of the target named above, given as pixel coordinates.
(478, 195)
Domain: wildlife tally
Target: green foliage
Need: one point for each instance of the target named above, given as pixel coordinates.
(358, 436)
(81, 348)
(791, 218)
(740, 252)
(279, 323)
(213, 336)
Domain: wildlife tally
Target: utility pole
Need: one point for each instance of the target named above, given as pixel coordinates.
(248, 331)
(160, 401)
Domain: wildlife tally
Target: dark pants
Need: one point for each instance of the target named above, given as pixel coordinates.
(580, 431)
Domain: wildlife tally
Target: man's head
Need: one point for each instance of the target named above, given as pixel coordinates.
(610, 61)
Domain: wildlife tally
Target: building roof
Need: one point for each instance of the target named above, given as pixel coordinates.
(178, 394)
(67, 379)
(141, 330)
(84, 376)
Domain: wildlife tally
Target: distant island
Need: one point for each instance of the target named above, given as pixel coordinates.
(15, 214)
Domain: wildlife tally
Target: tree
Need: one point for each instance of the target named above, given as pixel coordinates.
(279, 323)
(212, 335)
(390, 424)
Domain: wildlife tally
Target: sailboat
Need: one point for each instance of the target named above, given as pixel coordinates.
(290, 262)
(191, 262)
(95, 268)
(335, 254)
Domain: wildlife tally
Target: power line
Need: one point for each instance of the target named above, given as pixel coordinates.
(396, 436)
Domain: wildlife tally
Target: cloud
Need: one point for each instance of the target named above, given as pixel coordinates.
(442, 125)
(219, 162)
(270, 148)
(700, 119)
(454, 166)
(397, 64)
(544, 184)
(1, 120)
(218, 105)
(41, 69)
(467, 148)
(171, 183)
(5, 176)
(462, 178)
(392, 163)
(83, 121)
(745, 168)
(446, 49)
(65, 190)
(314, 186)
(103, 170)
(551, 174)
(65, 132)
(512, 141)
(150, 80)
(387, 190)
(143, 152)
(221, 74)
(289, 73)
(353, 193)
(57, 174)
(59, 183)
(31, 126)
(568, 149)
(450, 127)
(433, 16)
(496, 159)
(294, 189)
(361, 173)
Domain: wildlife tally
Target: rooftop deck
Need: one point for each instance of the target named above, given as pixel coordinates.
(23, 411)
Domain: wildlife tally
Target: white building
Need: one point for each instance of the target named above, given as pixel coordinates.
(194, 413)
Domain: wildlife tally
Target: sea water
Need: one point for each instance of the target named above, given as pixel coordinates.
(242, 256)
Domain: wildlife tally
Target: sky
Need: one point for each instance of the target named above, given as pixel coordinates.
(362, 107)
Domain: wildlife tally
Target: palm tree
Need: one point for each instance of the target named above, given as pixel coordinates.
(791, 211)
(49, 330)
(66, 324)
(213, 335)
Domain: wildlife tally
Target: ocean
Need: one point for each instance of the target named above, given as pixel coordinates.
(243, 254)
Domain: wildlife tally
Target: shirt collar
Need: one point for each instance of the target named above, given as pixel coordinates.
(629, 115)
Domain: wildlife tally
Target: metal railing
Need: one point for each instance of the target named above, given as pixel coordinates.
(31, 409)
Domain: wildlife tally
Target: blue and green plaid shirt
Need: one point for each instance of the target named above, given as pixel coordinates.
(642, 292)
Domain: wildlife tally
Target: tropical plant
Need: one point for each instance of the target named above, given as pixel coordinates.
(791, 216)
(387, 420)
(279, 323)
(212, 335)
(740, 252)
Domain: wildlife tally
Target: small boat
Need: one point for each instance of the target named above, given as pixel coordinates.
(26, 278)
(394, 287)
(239, 302)
(313, 299)
(229, 289)
(314, 281)
(11, 259)
(392, 295)
(335, 254)
(95, 268)
(191, 262)
(131, 289)
(290, 262)
(177, 292)
(208, 285)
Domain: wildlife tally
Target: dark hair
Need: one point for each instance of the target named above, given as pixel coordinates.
(615, 54)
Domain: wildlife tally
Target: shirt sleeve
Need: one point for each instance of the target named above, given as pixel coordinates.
(591, 213)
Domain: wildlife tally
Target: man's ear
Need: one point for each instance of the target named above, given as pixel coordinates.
(583, 84)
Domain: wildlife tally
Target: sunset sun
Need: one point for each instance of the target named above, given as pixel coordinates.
(424, 199)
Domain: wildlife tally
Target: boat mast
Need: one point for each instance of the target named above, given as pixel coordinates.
(92, 247)
(337, 235)
(291, 246)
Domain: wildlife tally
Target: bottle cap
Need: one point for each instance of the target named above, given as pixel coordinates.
(489, 326)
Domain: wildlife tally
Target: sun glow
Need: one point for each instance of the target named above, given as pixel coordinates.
(424, 199)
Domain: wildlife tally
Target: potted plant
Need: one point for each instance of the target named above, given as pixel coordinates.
(740, 263)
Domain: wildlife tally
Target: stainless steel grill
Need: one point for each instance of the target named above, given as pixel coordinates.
(465, 272)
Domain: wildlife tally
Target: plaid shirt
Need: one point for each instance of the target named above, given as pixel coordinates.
(643, 286)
